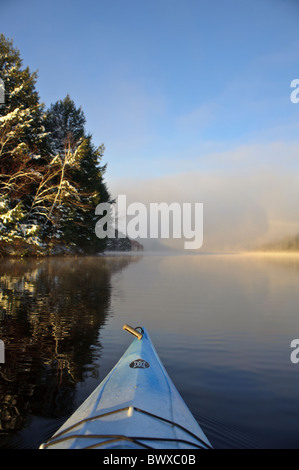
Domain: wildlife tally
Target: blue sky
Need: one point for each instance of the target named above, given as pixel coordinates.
(171, 87)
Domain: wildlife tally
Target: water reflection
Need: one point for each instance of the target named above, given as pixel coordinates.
(51, 312)
(222, 326)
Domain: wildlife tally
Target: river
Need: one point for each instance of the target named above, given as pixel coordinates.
(222, 325)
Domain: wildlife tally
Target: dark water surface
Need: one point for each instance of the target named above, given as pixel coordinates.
(222, 325)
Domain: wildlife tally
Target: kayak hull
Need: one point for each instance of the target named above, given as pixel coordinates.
(135, 407)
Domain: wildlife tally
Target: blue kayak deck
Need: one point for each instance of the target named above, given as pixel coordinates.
(135, 406)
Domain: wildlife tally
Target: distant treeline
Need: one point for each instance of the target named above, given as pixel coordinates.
(51, 175)
(285, 244)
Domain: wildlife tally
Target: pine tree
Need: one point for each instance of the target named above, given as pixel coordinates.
(65, 124)
(51, 176)
(22, 132)
(22, 143)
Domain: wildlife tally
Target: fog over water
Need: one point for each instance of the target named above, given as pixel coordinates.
(249, 199)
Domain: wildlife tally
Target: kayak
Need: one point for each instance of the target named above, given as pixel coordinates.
(136, 406)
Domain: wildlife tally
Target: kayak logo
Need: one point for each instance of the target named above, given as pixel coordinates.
(139, 364)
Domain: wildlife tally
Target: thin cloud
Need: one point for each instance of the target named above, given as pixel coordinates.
(244, 206)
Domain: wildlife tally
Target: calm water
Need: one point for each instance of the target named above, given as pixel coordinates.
(222, 325)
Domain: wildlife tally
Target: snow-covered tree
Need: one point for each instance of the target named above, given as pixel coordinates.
(51, 176)
(22, 132)
(65, 124)
(22, 142)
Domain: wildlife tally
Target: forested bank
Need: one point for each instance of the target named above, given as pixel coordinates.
(51, 173)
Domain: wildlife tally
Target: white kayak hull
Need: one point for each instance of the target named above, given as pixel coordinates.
(135, 407)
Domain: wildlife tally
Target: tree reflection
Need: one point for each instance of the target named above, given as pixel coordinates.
(51, 312)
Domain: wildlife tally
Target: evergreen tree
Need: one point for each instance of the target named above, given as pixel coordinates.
(51, 176)
(22, 132)
(65, 124)
(22, 143)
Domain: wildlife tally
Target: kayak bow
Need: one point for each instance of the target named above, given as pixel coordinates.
(135, 407)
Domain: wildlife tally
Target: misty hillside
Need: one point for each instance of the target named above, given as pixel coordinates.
(284, 244)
